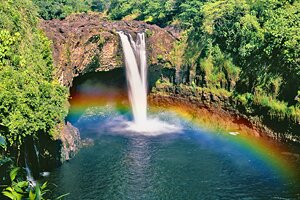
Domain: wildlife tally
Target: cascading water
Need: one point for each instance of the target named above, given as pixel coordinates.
(136, 73)
(29, 176)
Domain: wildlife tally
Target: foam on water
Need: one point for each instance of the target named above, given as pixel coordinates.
(136, 74)
(152, 127)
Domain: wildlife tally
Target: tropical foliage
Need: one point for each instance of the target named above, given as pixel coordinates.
(62, 8)
(31, 101)
(241, 44)
(248, 47)
(19, 189)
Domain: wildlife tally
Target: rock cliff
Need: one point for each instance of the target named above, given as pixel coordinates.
(89, 42)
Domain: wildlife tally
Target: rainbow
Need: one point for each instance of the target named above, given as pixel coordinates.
(248, 140)
(80, 102)
(268, 151)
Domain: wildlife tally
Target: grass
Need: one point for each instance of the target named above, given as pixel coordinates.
(276, 109)
(281, 110)
(217, 91)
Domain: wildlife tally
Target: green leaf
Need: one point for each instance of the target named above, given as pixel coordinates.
(31, 195)
(44, 185)
(13, 173)
(9, 189)
(18, 196)
(22, 184)
(18, 189)
(8, 194)
(38, 192)
(62, 196)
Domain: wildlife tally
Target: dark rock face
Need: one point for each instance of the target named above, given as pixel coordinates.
(84, 43)
(44, 153)
(71, 142)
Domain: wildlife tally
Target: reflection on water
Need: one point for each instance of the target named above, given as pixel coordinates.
(190, 164)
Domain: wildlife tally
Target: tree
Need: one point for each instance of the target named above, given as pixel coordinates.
(31, 101)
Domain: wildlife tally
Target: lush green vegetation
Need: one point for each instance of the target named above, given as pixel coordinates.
(250, 48)
(60, 9)
(19, 189)
(241, 48)
(12, 185)
(240, 45)
(32, 102)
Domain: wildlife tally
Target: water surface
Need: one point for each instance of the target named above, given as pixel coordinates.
(187, 164)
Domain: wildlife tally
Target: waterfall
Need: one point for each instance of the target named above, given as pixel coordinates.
(37, 154)
(136, 73)
(29, 176)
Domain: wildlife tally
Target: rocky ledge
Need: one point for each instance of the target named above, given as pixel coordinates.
(90, 42)
(71, 142)
(224, 107)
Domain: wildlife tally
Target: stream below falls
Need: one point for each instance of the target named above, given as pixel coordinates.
(188, 163)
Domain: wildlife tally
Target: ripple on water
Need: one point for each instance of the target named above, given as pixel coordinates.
(182, 163)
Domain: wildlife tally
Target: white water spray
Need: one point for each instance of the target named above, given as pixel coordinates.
(136, 74)
(29, 176)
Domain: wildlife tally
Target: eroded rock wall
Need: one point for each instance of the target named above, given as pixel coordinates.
(89, 42)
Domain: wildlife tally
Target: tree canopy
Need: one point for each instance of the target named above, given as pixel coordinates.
(32, 102)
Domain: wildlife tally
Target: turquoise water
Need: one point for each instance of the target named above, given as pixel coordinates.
(187, 164)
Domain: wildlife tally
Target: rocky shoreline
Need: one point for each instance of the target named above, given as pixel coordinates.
(224, 108)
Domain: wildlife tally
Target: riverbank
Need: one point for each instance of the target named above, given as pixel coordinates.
(225, 111)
